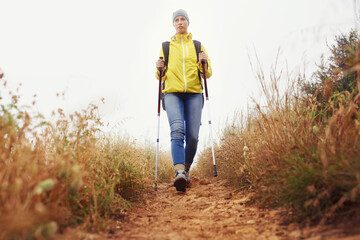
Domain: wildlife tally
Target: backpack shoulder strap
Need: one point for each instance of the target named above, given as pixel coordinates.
(197, 48)
(197, 45)
(165, 47)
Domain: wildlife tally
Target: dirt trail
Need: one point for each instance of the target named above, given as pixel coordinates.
(210, 210)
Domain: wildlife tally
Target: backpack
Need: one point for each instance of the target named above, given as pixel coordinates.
(165, 47)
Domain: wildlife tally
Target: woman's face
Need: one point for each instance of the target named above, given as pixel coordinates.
(181, 25)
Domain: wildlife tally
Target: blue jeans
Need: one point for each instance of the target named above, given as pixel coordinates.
(184, 115)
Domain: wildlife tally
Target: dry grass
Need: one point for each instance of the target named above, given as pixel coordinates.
(290, 157)
(58, 175)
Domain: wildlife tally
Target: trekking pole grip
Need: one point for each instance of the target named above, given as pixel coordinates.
(203, 64)
(160, 68)
(203, 61)
(160, 79)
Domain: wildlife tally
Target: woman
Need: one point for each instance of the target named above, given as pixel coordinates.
(183, 96)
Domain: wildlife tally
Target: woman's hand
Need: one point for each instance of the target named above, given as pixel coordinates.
(160, 63)
(203, 56)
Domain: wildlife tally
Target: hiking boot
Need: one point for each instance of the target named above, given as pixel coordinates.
(180, 181)
(187, 175)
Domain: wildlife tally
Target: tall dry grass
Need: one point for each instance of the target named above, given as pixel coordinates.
(289, 155)
(55, 175)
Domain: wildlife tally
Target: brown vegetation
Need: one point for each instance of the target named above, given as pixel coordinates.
(302, 149)
(62, 174)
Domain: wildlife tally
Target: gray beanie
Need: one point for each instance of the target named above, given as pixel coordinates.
(181, 12)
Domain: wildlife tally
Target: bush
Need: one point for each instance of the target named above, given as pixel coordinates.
(299, 151)
(55, 175)
(337, 75)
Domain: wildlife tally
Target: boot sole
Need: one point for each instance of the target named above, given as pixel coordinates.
(180, 184)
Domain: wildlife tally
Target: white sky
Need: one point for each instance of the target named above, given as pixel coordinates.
(107, 48)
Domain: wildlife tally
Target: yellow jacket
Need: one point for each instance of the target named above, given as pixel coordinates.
(181, 74)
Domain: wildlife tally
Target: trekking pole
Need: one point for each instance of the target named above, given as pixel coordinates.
(158, 133)
(203, 62)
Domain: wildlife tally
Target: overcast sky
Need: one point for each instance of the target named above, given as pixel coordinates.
(91, 49)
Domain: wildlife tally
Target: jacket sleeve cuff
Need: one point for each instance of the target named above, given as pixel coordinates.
(163, 73)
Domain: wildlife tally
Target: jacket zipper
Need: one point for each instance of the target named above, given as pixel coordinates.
(182, 44)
